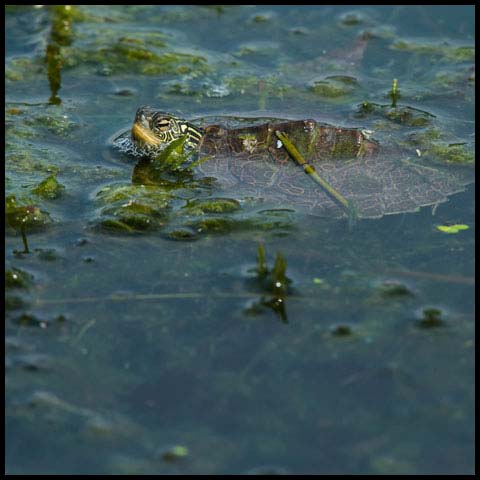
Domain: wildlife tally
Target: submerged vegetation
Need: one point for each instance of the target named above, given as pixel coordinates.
(273, 282)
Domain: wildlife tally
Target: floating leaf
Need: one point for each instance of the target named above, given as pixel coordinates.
(452, 228)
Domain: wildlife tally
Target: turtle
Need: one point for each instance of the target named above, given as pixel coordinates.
(248, 159)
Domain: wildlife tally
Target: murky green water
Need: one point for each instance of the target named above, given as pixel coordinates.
(131, 334)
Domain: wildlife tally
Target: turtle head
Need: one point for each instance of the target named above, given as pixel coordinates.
(153, 130)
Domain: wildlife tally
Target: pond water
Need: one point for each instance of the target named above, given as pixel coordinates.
(144, 335)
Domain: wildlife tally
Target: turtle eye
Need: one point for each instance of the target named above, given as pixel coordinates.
(162, 125)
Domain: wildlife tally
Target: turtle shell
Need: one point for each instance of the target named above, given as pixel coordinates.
(247, 160)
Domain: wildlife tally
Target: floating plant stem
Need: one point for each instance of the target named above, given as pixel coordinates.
(310, 170)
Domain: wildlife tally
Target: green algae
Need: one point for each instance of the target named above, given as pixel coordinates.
(433, 144)
(128, 54)
(431, 318)
(181, 233)
(262, 89)
(445, 52)
(54, 121)
(132, 208)
(23, 214)
(14, 302)
(344, 147)
(212, 205)
(23, 69)
(394, 289)
(459, 154)
(50, 188)
(18, 278)
(335, 86)
(173, 454)
(214, 225)
(457, 79)
(153, 197)
(341, 330)
(405, 115)
(32, 122)
(145, 53)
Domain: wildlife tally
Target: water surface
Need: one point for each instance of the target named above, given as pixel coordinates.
(121, 344)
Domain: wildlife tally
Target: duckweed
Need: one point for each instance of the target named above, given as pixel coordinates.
(452, 228)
